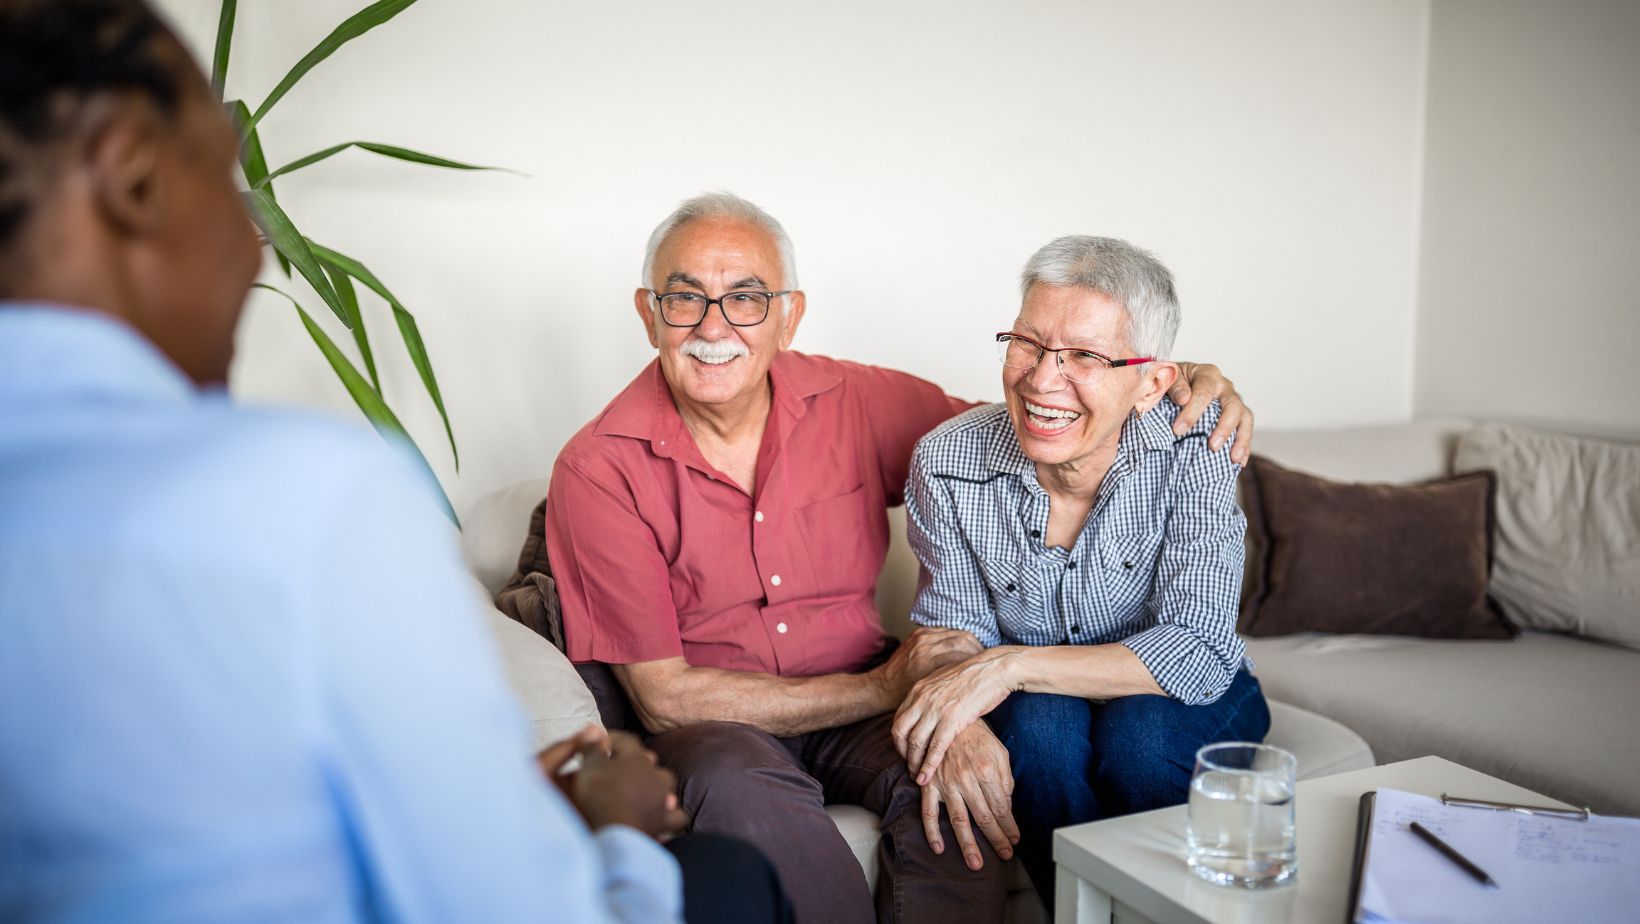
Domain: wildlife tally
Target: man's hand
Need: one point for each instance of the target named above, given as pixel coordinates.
(943, 704)
(1198, 385)
(924, 651)
(618, 783)
(976, 784)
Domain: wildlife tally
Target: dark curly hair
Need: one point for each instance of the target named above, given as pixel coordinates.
(55, 55)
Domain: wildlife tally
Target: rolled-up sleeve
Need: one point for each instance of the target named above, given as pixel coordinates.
(951, 591)
(1193, 650)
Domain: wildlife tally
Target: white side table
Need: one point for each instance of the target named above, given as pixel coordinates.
(1131, 870)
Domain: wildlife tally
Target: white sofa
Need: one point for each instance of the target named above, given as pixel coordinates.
(1549, 711)
(558, 703)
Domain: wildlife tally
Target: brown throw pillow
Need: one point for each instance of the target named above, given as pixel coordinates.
(1325, 556)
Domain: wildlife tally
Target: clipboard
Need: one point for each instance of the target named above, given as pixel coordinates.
(1363, 831)
(1585, 865)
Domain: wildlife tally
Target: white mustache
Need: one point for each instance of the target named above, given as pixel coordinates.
(713, 351)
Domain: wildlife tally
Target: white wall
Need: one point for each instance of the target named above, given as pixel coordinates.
(1529, 306)
(1268, 151)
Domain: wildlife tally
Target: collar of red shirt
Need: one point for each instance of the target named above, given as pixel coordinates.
(645, 410)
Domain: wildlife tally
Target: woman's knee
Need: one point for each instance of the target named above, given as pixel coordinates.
(1046, 734)
(1147, 747)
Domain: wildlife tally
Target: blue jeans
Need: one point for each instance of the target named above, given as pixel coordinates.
(1075, 760)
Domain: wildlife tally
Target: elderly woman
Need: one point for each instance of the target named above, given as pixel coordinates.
(1094, 553)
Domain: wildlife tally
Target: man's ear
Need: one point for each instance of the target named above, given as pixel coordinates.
(1158, 379)
(123, 160)
(791, 317)
(640, 301)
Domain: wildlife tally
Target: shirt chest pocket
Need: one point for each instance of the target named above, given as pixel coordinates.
(845, 538)
(1127, 563)
(1018, 615)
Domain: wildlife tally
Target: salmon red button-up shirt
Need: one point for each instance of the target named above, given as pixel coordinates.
(658, 554)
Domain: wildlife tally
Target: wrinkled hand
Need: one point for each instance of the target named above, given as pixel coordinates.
(618, 783)
(944, 703)
(923, 651)
(976, 783)
(1198, 385)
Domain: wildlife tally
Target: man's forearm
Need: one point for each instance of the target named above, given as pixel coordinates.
(672, 695)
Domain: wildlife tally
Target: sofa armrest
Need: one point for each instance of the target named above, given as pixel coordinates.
(1322, 745)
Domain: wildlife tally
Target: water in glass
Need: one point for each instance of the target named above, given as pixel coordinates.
(1242, 820)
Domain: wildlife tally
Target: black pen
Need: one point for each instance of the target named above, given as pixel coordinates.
(1453, 855)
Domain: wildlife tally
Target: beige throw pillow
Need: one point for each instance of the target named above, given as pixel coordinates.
(555, 701)
(1568, 520)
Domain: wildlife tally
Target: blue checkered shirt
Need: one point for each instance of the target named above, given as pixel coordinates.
(1156, 568)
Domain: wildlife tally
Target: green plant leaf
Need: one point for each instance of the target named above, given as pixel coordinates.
(251, 158)
(224, 40)
(289, 242)
(385, 150)
(407, 330)
(252, 161)
(369, 401)
(354, 26)
(350, 301)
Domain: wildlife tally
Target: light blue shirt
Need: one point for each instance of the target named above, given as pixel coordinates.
(243, 676)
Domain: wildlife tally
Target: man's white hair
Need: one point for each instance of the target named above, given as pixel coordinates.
(722, 205)
(1132, 276)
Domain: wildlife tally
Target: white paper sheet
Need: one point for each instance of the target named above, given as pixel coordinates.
(1547, 869)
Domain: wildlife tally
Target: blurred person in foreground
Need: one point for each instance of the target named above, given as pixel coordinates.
(242, 675)
(1093, 551)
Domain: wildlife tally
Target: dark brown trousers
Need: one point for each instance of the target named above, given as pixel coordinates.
(737, 780)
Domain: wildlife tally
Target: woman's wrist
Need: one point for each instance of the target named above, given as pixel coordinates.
(1012, 664)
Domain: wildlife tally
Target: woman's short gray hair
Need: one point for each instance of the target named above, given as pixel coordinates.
(722, 205)
(1132, 276)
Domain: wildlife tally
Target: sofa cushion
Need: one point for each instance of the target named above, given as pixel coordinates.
(1568, 555)
(555, 700)
(1373, 558)
(1549, 712)
(493, 530)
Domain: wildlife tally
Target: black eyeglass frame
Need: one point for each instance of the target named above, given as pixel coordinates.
(768, 302)
(1007, 336)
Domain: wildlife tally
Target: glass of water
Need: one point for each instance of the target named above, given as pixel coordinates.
(1242, 821)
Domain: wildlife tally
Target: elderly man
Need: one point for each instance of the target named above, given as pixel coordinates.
(717, 532)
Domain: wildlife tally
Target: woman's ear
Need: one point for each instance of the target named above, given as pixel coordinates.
(122, 159)
(1159, 377)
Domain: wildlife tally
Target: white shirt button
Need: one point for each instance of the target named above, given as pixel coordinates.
(781, 628)
(758, 516)
(775, 580)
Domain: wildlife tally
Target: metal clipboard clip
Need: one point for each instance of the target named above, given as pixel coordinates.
(1581, 814)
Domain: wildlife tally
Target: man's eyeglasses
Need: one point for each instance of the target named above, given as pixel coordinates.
(1018, 351)
(742, 309)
